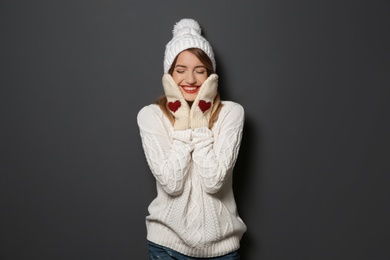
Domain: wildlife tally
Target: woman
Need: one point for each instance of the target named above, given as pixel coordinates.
(191, 141)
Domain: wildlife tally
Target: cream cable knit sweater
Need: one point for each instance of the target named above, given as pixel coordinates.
(194, 212)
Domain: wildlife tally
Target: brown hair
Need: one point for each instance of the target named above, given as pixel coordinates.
(217, 105)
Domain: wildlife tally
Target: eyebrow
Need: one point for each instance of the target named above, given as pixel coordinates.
(196, 67)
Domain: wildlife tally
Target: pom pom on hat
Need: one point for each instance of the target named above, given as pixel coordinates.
(186, 34)
(182, 27)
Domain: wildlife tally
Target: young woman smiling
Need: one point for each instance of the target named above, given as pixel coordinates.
(191, 140)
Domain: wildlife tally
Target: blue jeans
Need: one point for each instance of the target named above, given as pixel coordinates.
(164, 253)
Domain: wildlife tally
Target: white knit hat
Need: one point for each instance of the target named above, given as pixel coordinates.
(186, 34)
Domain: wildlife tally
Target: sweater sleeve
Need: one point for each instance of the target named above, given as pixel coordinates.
(214, 156)
(168, 155)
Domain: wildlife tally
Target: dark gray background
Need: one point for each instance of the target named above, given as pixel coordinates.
(312, 177)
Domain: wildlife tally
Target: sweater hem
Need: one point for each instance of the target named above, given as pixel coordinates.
(162, 235)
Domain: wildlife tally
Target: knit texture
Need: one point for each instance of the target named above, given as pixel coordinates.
(194, 212)
(200, 112)
(177, 105)
(186, 34)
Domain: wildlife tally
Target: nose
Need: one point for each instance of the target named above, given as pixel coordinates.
(190, 79)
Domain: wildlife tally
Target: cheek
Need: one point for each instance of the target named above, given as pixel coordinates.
(177, 78)
(202, 80)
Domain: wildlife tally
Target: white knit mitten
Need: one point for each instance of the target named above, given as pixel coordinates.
(201, 108)
(177, 105)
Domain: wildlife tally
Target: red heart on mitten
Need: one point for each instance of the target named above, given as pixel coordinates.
(204, 106)
(173, 106)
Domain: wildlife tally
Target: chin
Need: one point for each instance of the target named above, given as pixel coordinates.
(190, 99)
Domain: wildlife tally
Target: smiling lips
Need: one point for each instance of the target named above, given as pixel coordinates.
(190, 89)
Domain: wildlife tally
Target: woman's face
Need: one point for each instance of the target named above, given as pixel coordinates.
(189, 74)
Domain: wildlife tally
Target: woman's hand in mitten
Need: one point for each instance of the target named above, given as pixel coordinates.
(201, 108)
(177, 105)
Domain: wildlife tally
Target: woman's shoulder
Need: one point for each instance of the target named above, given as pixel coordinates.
(148, 113)
(231, 113)
(232, 107)
(152, 108)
